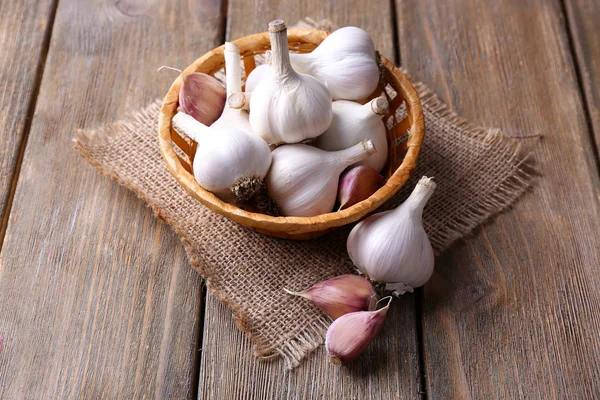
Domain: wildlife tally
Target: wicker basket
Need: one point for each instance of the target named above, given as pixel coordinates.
(404, 137)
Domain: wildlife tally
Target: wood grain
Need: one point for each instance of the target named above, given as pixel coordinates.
(583, 17)
(390, 368)
(25, 27)
(97, 299)
(514, 311)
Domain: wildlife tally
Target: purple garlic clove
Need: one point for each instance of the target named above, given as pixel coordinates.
(358, 184)
(349, 335)
(341, 295)
(203, 97)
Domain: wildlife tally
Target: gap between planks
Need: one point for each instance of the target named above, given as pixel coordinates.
(38, 74)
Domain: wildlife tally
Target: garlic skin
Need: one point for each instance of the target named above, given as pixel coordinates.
(256, 76)
(202, 97)
(353, 122)
(303, 180)
(349, 335)
(345, 60)
(288, 107)
(341, 295)
(233, 118)
(229, 162)
(392, 247)
(357, 184)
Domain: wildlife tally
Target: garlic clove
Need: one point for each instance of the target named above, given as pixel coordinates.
(303, 180)
(341, 295)
(349, 335)
(202, 97)
(392, 247)
(256, 76)
(358, 184)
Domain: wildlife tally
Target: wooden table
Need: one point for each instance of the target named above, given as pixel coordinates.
(97, 299)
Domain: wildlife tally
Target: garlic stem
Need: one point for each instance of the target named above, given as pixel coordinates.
(188, 124)
(378, 106)
(353, 154)
(233, 73)
(419, 197)
(239, 101)
(279, 46)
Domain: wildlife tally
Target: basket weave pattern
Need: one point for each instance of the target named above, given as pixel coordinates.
(404, 138)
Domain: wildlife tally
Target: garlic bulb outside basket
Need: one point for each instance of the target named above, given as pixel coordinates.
(353, 122)
(392, 247)
(288, 107)
(229, 162)
(345, 60)
(303, 180)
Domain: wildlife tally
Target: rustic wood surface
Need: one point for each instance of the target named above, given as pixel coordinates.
(584, 17)
(25, 28)
(515, 310)
(98, 300)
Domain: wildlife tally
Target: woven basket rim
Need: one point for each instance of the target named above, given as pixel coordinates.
(211, 62)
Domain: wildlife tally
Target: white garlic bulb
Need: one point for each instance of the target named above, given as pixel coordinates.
(256, 76)
(288, 107)
(353, 122)
(233, 118)
(345, 60)
(392, 247)
(303, 180)
(229, 162)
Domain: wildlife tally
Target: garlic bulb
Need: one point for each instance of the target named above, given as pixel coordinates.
(341, 295)
(233, 118)
(353, 122)
(288, 107)
(392, 247)
(349, 335)
(229, 162)
(256, 76)
(303, 180)
(345, 60)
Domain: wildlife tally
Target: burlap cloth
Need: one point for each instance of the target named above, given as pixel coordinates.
(479, 172)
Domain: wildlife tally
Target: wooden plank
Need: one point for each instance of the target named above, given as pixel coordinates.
(97, 299)
(25, 27)
(583, 17)
(514, 311)
(389, 369)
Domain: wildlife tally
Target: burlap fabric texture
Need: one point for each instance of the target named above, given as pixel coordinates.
(479, 172)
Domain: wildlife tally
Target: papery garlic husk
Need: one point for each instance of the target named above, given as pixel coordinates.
(346, 61)
(349, 335)
(202, 96)
(392, 247)
(256, 76)
(303, 180)
(353, 122)
(229, 162)
(357, 184)
(288, 107)
(233, 118)
(341, 295)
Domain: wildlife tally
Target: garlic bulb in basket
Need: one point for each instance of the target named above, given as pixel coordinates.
(229, 162)
(233, 118)
(353, 122)
(345, 60)
(256, 76)
(288, 107)
(303, 180)
(392, 247)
